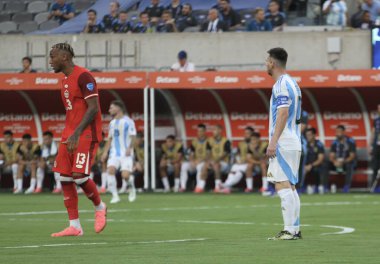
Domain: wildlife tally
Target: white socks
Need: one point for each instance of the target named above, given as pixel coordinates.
(184, 175)
(33, 182)
(40, 177)
(296, 224)
(201, 184)
(58, 184)
(288, 206)
(124, 184)
(104, 179)
(249, 182)
(265, 183)
(232, 179)
(75, 223)
(112, 184)
(19, 184)
(131, 180)
(14, 174)
(218, 182)
(176, 183)
(165, 182)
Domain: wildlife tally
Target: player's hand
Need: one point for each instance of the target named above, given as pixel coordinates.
(308, 168)
(271, 150)
(72, 143)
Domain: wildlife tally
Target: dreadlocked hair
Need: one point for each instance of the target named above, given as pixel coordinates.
(64, 46)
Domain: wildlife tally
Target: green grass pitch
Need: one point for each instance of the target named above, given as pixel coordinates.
(187, 228)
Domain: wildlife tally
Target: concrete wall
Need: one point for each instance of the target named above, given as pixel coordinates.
(307, 50)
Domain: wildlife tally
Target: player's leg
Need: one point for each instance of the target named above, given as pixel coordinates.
(127, 174)
(40, 175)
(202, 169)
(349, 171)
(184, 175)
(113, 164)
(164, 175)
(249, 178)
(104, 177)
(14, 168)
(58, 185)
(20, 176)
(177, 171)
(234, 177)
(124, 185)
(33, 177)
(217, 167)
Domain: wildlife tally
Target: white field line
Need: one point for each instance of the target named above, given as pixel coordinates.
(344, 230)
(106, 243)
(339, 203)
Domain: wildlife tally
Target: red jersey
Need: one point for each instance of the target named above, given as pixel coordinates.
(76, 88)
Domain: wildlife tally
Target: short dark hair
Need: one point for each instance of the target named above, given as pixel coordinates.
(274, 1)
(27, 136)
(189, 5)
(8, 132)
(117, 3)
(143, 13)
(119, 104)
(172, 137)
(203, 126)
(29, 59)
(280, 55)
(65, 47)
(342, 127)
(312, 130)
(168, 12)
(92, 11)
(256, 134)
(251, 129)
(48, 133)
(123, 12)
(228, 1)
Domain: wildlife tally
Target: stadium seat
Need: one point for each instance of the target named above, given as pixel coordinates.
(28, 27)
(14, 7)
(37, 7)
(301, 21)
(8, 26)
(47, 25)
(133, 16)
(22, 17)
(41, 17)
(192, 29)
(81, 5)
(5, 17)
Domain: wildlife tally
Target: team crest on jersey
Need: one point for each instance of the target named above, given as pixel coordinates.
(66, 93)
(90, 86)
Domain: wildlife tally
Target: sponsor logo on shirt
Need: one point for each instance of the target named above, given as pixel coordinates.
(90, 86)
(66, 93)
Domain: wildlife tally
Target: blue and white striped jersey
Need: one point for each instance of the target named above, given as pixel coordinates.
(286, 93)
(121, 132)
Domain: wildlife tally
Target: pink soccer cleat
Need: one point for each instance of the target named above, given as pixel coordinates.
(198, 190)
(247, 190)
(102, 190)
(226, 191)
(100, 219)
(56, 191)
(70, 231)
(38, 190)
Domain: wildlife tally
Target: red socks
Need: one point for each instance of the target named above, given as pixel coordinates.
(91, 191)
(70, 199)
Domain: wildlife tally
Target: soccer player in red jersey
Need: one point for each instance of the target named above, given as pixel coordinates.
(80, 138)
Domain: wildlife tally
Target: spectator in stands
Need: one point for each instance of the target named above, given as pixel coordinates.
(61, 11)
(230, 17)
(92, 26)
(109, 19)
(357, 17)
(343, 155)
(9, 157)
(154, 11)
(171, 161)
(175, 8)
(144, 26)
(373, 6)
(336, 11)
(183, 65)
(49, 151)
(276, 18)
(315, 156)
(167, 23)
(218, 5)
(374, 148)
(259, 23)
(29, 154)
(365, 21)
(139, 155)
(186, 18)
(213, 23)
(122, 25)
(27, 65)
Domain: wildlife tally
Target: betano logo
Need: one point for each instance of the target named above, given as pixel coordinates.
(203, 116)
(342, 116)
(248, 116)
(133, 79)
(105, 80)
(15, 117)
(40, 80)
(226, 79)
(14, 81)
(161, 79)
(196, 79)
(349, 78)
(52, 117)
(255, 79)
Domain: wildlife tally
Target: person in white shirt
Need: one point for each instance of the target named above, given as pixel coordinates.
(183, 65)
(336, 11)
(121, 136)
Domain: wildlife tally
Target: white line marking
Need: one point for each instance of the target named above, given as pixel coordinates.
(344, 230)
(341, 203)
(106, 243)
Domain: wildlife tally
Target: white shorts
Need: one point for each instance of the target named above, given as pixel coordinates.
(239, 167)
(284, 167)
(121, 163)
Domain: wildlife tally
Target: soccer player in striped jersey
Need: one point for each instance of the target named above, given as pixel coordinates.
(121, 136)
(284, 149)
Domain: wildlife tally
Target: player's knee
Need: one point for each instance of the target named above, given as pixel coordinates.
(80, 180)
(111, 170)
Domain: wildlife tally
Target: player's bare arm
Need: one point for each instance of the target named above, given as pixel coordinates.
(283, 114)
(92, 110)
(106, 150)
(129, 149)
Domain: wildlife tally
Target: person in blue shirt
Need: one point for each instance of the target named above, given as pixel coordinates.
(92, 26)
(301, 171)
(144, 26)
(109, 19)
(122, 25)
(373, 6)
(61, 11)
(259, 23)
(343, 156)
